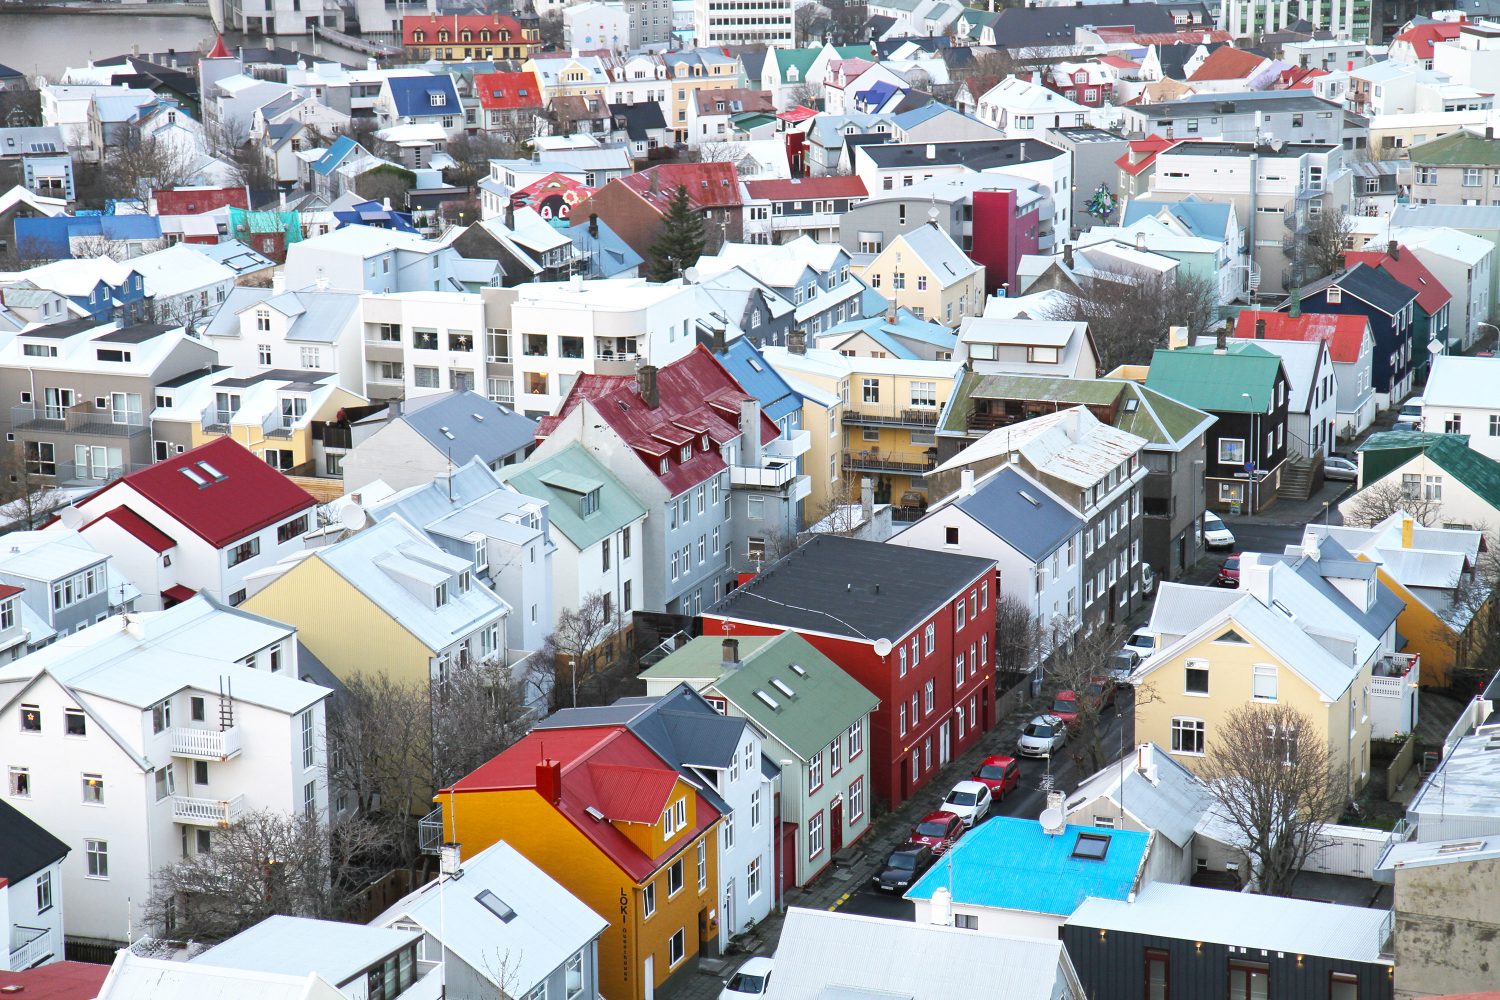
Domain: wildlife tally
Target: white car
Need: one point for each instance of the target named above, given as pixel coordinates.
(1143, 643)
(749, 980)
(1042, 735)
(969, 801)
(1339, 467)
(1215, 534)
(1412, 409)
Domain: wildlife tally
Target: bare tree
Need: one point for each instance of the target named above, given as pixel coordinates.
(28, 499)
(574, 648)
(266, 863)
(1378, 501)
(1019, 636)
(1324, 244)
(807, 94)
(144, 162)
(1274, 780)
(1129, 318)
(1077, 670)
(804, 19)
(550, 27)
(474, 152)
(478, 711)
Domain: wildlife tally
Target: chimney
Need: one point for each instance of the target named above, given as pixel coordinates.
(1145, 761)
(942, 906)
(1408, 529)
(278, 281)
(867, 499)
(549, 779)
(1220, 344)
(645, 380)
(1053, 819)
(731, 654)
(1296, 308)
(281, 201)
(796, 340)
(1068, 257)
(1140, 241)
(1260, 329)
(1393, 249)
(717, 338)
(750, 447)
(1489, 132)
(1311, 546)
(965, 482)
(890, 312)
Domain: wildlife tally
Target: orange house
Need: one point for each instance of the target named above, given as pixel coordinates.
(602, 814)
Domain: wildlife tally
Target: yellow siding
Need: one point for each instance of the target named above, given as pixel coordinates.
(342, 627)
(1425, 633)
(966, 297)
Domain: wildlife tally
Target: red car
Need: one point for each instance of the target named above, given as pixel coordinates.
(939, 831)
(1100, 692)
(1229, 573)
(1065, 707)
(1001, 773)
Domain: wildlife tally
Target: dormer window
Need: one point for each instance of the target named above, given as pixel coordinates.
(481, 555)
(419, 35)
(589, 504)
(443, 36)
(437, 99)
(262, 320)
(7, 614)
(664, 466)
(440, 595)
(463, 582)
(687, 453)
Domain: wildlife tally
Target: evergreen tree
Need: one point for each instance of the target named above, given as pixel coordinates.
(681, 241)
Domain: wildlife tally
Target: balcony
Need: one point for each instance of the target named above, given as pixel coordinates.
(206, 744)
(80, 418)
(214, 420)
(790, 446)
(870, 415)
(206, 812)
(70, 474)
(771, 476)
(277, 425)
(1393, 703)
(915, 464)
(30, 946)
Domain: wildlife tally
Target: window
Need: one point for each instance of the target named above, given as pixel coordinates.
(311, 357)
(1196, 677)
(815, 835)
(1231, 451)
(161, 716)
(856, 799)
(927, 697)
(1249, 980)
(263, 354)
(93, 789)
(1432, 488)
(75, 722)
(924, 394)
(573, 977)
(1187, 736)
(1265, 682)
(703, 864)
(244, 551)
(870, 390)
(165, 782)
(677, 947)
(97, 852)
(929, 639)
(306, 719)
(815, 772)
(856, 738)
(835, 756)
(1343, 986)
(1158, 977)
(295, 528)
(200, 772)
(752, 878)
(950, 536)
(648, 897)
(44, 892)
(20, 782)
(674, 878)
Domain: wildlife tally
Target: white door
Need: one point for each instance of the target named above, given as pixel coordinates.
(728, 923)
(650, 977)
(944, 742)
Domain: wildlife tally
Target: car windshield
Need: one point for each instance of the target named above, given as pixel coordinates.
(1232, 563)
(903, 861)
(1064, 705)
(747, 982)
(1038, 729)
(994, 771)
(1212, 522)
(962, 798)
(933, 828)
(1142, 641)
(1096, 689)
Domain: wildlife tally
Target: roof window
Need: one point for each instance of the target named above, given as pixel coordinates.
(496, 905)
(1091, 846)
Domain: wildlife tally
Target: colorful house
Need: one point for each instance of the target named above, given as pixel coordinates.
(618, 827)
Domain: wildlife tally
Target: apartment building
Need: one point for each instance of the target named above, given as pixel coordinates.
(374, 260)
(55, 583)
(744, 22)
(421, 343)
(779, 211)
(819, 280)
(85, 392)
(1460, 168)
(137, 739)
(1295, 116)
(31, 895)
(925, 272)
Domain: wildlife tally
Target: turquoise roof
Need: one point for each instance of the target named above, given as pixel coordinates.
(563, 480)
(1217, 383)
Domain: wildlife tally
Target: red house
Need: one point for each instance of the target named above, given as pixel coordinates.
(914, 627)
(635, 205)
(463, 37)
(1010, 221)
(197, 200)
(509, 103)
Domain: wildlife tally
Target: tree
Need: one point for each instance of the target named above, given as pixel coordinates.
(27, 498)
(1273, 780)
(1019, 636)
(1078, 661)
(474, 152)
(1129, 317)
(574, 646)
(143, 163)
(1378, 501)
(550, 28)
(386, 181)
(807, 94)
(478, 711)
(1324, 244)
(680, 242)
(805, 21)
(266, 863)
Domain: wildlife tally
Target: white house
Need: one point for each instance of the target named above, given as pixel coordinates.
(136, 739)
(1312, 394)
(135, 978)
(31, 892)
(185, 287)
(1025, 110)
(361, 961)
(1462, 262)
(1460, 398)
(314, 328)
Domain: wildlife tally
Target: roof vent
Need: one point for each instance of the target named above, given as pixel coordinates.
(1029, 498)
(446, 433)
(478, 416)
(594, 813)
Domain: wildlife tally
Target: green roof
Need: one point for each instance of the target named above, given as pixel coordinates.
(1479, 473)
(1202, 377)
(1155, 417)
(1458, 148)
(801, 59)
(1386, 451)
(563, 480)
(824, 702)
(751, 119)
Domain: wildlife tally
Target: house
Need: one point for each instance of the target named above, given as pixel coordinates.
(1461, 484)
(311, 329)
(1095, 470)
(1312, 393)
(992, 345)
(18, 204)
(1456, 400)
(684, 439)
(782, 210)
(713, 114)
(1171, 505)
(895, 333)
(147, 733)
(722, 756)
(352, 955)
(374, 260)
(1431, 317)
(1245, 388)
(1023, 109)
(635, 205)
(1462, 264)
(37, 159)
(1351, 349)
(822, 784)
(1435, 882)
(819, 280)
(822, 953)
(509, 905)
(1390, 307)
(596, 528)
(56, 583)
(31, 891)
(225, 512)
(65, 237)
(1229, 70)
(467, 38)
(420, 100)
(409, 444)
(1170, 936)
(937, 618)
(603, 815)
(1218, 651)
(1022, 877)
(103, 288)
(184, 286)
(927, 273)
(1209, 258)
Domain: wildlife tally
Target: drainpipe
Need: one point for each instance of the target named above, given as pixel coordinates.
(1250, 223)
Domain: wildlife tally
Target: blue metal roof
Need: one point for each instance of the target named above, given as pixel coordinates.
(916, 116)
(743, 360)
(878, 94)
(49, 237)
(1201, 218)
(373, 213)
(413, 96)
(334, 155)
(1013, 864)
(611, 255)
(1023, 514)
(906, 327)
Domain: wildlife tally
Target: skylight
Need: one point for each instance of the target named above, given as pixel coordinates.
(199, 480)
(1091, 846)
(218, 476)
(446, 433)
(798, 670)
(495, 905)
(780, 685)
(770, 702)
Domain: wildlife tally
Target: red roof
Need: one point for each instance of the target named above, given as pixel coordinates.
(1422, 36)
(1410, 271)
(193, 201)
(6, 590)
(57, 981)
(709, 185)
(508, 91)
(604, 768)
(1299, 77)
(1141, 153)
(1227, 63)
(137, 527)
(1119, 62)
(1344, 334)
(808, 187)
(797, 114)
(455, 24)
(220, 50)
(250, 495)
(698, 398)
(178, 593)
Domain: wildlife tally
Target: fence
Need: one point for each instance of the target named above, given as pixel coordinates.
(1399, 767)
(1348, 850)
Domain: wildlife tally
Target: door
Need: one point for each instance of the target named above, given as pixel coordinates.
(57, 403)
(944, 743)
(648, 978)
(729, 922)
(836, 824)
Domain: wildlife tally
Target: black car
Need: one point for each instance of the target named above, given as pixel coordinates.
(905, 865)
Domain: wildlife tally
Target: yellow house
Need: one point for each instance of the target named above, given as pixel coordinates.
(603, 815)
(926, 272)
(692, 71)
(873, 417)
(1316, 634)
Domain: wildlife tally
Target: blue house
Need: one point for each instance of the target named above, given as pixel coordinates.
(608, 256)
(421, 100)
(778, 400)
(375, 215)
(903, 335)
(104, 289)
(1390, 306)
(54, 239)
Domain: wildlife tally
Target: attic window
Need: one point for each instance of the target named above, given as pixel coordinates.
(437, 99)
(496, 905)
(1232, 636)
(1091, 846)
(1335, 295)
(590, 502)
(1131, 404)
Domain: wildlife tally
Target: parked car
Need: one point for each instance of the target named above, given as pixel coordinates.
(969, 801)
(1123, 664)
(1065, 707)
(1042, 736)
(1229, 573)
(750, 980)
(1337, 467)
(1412, 409)
(1143, 643)
(1002, 773)
(1148, 578)
(1215, 534)
(938, 830)
(904, 866)
(1100, 692)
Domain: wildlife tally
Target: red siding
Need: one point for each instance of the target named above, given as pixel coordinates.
(1007, 238)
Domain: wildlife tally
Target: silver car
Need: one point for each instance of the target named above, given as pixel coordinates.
(1042, 736)
(1338, 467)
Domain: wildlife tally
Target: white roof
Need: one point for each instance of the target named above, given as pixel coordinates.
(135, 978)
(47, 555)
(179, 269)
(296, 946)
(1030, 332)
(1466, 786)
(549, 926)
(1426, 854)
(1072, 444)
(1159, 792)
(1460, 381)
(1023, 95)
(1299, 359)
(1444, 242)
(936, 249)
(365, 241)
(77, 277)
(832, 364)
(1037, 305)
(1243, 919)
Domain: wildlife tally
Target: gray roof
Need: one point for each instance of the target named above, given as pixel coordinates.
(467, 425)
(1465, 787)
(297, 946)
(1170, 801)
(317, 316)
(1269, 101)
(1019, 511)
(1460, 217)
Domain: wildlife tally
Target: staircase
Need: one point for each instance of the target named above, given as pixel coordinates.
(1301, 476)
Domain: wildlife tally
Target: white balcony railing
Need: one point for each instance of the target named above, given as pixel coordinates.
(206, 812)
(773, 475)
(30, 946)
(206, 744)
(790, 446)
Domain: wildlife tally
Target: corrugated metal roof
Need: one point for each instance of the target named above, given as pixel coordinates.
(618, 507)
(1022, 513)
(1201, 377)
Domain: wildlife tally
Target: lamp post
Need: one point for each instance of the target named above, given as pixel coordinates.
(1250, 471)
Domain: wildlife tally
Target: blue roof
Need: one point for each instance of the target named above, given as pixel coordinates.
(1201, 218)
(906, 327)
(413, 96)
(373, 213)
(49, 237)
(744, 361)
(878, 94)
(1013, 864)
(916, 116)
(334, 155)
(1023, 514)
(611, 255)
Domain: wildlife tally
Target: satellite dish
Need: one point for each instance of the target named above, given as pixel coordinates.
(71, 517)
(1052, 821)
(353, 517)
(882, 647)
